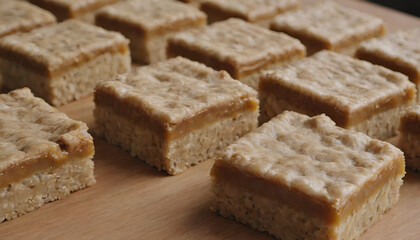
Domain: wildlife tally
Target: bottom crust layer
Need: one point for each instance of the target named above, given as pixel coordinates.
(45, 186)
(286, 223)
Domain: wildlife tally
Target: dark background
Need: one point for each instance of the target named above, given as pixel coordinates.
(408, 6)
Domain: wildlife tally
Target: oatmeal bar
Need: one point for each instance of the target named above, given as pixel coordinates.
(44, 154)
(174, 114)
(399, 51)
(62, 62)
(80, 9)
(20, 16)
(409, 139)
(328, 25)
(255, 11)
(149, 23)
(300, 177)
(354, 93)
(241, 48)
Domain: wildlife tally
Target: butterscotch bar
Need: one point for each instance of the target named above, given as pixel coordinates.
(354, 93)
(174, 114)
(20, 16)
(255, 11)
(241, 48)
(328, 25)
(44, 154)
(149, 23)
(409, 139)
(300, 177)
(67, 9)
(399, 51)
(62, 62)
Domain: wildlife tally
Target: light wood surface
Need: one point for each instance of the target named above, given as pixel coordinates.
(134, 201)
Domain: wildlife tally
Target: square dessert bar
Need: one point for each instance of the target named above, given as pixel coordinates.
(255, 11)
(20, 16)
(300, 177)
(149, 23)
(80, 9)
(44, 154)
(355, 94)
(399, 51)
(175, 113)
(62, 62)
(241, 48)
(409, 139)
(328, 25)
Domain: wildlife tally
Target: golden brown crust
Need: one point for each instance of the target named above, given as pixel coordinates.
(213, 47)
(51, 50)
(20, 16)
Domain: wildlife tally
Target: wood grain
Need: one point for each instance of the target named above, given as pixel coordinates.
(134, 201)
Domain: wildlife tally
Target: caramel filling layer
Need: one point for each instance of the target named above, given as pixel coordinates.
(51, 159)
(169, 131)
(44, 70)
(314, 106)
(299, 200)
(236, 71)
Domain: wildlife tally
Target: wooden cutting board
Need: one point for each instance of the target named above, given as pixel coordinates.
(134, 201)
